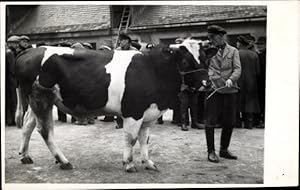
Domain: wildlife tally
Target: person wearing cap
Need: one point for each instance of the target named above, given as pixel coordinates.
(24, 43)
(125, 43)
(248, 82)
(221, 105)
(251, 40)
(10, 80)
(261, 50)
(87, 45)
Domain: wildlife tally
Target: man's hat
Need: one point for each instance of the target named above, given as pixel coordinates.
(179, 40)
(13, 39)
(88, 45)
(215, 29)
(261, 40)
(77, 45)
(243, 40)
(251, 38)
(124, 37)
(24, 38)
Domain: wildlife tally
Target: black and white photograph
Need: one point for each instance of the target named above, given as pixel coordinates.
(149, 94)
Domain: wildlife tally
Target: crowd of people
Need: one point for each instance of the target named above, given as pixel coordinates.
(236, 97)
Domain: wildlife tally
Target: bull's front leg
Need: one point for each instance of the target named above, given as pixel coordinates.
(144, 141)
(131, 129)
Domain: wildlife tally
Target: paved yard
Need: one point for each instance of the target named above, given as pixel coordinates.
(96, 153)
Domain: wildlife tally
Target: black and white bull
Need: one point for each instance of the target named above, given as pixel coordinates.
(138, 87)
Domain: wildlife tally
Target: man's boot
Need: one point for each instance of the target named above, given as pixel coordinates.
(210, 141)
(225, 141)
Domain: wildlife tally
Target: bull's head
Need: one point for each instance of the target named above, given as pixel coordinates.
(200, 50)
(195, 54)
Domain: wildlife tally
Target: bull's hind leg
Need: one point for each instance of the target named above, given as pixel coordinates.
(29, 124)
(131, 130)
(143, 138)
(41, 102)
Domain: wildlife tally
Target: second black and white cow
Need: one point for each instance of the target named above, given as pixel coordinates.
(138, 87)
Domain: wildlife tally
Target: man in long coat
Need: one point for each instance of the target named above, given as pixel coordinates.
(248, 82)
(261, 48)
(221, 107)
(10, 81)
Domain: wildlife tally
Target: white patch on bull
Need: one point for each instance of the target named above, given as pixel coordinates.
(192, 46)
(152, 113)
(117, 69)
(55, 50)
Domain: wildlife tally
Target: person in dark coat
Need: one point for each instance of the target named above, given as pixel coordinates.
(248, 81)
(224, 70)
(10, 80)
(261, 49)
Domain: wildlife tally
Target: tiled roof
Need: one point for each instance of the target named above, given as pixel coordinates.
(66, 18)
(172, 14)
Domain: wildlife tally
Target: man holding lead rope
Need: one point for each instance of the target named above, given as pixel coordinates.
(221, 104)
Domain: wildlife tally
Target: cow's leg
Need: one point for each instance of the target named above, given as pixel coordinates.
(131, 131)
(41, 102)
(45, 127)
(29, 124)
(19, 110)
(144, 141)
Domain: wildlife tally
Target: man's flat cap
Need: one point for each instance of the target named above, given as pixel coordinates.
(24, 38)
(13, 39)
(243, 40)
(215, 29)
(77, 45)
(179, 40)
(88, 45)
(124, 37)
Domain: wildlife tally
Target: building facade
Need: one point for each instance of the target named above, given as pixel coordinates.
(99, 24)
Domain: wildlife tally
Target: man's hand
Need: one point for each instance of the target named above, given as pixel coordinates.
(229, 83)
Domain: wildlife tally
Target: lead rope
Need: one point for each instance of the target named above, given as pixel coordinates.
(218, 89)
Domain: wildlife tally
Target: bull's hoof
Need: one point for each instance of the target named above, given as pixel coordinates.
(27, 160)
(154, 168)
(130, 168)
(149, 165)
(66, 166)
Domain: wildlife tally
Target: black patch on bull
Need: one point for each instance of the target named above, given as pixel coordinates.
(152, 78)
(82, 78)
(28, 65)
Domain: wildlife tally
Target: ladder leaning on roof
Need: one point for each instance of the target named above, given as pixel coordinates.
(124, 23)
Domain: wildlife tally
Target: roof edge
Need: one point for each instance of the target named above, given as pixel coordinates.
(251, 19)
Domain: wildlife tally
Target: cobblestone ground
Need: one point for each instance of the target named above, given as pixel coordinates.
(96, 153)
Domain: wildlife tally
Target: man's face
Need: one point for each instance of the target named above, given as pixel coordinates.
(12, 45)
(24, 43)
(124, 44)
(261, 47)
(216, 39)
